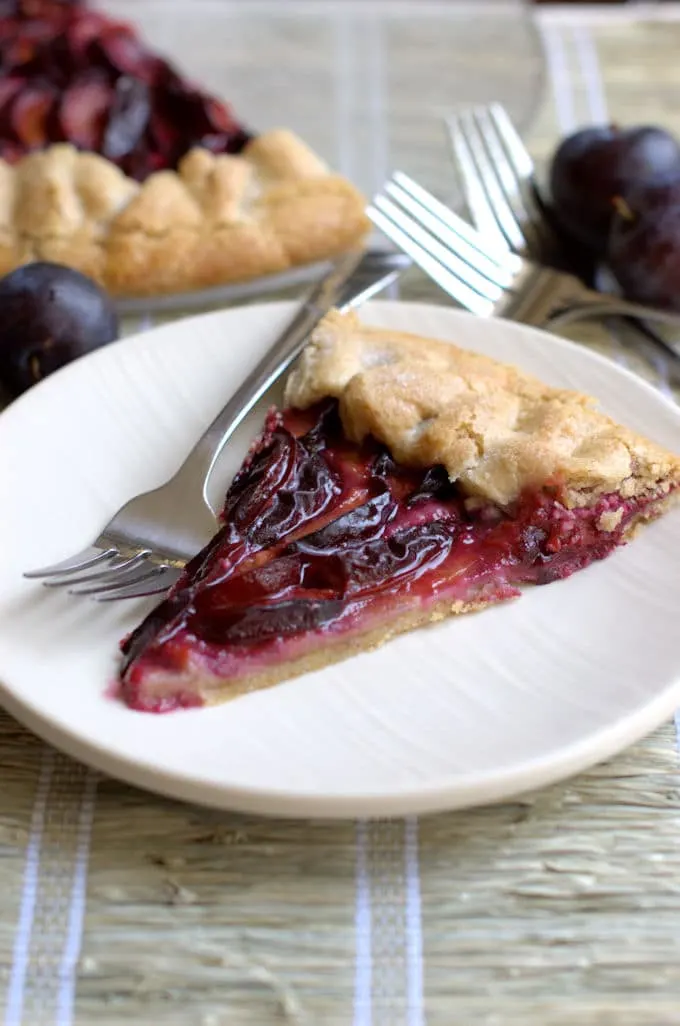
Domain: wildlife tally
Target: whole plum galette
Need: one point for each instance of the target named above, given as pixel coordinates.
(407, 480)
(112, 163)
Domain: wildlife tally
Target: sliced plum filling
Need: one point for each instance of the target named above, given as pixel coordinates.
(324, 541)
(71, 74)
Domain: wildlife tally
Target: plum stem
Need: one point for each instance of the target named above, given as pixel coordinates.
(623, 208)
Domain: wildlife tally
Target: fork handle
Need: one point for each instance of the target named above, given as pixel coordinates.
(354, 277)
(595, 304)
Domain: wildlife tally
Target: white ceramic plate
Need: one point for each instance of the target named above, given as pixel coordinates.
(472, 710)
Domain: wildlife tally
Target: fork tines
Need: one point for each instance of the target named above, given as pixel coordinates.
(475, 271)
(498, 179)
(106, 575)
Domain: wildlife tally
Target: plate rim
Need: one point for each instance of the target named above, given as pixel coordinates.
(444, 793)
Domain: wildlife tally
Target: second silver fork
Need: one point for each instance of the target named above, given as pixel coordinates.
(498, 178)
(481, 273)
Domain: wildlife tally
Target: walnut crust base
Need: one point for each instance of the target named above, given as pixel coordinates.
(212, 690)
(218, 219)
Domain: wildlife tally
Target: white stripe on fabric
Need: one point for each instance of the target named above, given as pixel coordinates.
(414, 930)
(74, 933)
(560, 77)
(49, 930)
(375, 99)
(363, 971)
(387, 870)
(49, 982)
(389, 948)
(345, 91)
(22, 942)
(589, 65)
(379, 113)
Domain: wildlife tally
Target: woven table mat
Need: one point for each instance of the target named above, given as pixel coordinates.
(119, 907)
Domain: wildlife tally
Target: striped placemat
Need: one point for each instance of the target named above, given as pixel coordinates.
(118, 907)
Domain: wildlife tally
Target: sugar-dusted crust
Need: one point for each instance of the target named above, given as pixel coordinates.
(496, 429)
(218, 219)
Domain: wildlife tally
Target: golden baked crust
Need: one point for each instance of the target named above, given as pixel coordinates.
(218, 219)
(495, 429)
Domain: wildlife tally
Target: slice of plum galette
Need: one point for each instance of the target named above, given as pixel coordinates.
(407, 480)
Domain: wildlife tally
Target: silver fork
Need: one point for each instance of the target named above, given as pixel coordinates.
(498, 178)
(481, 273)
(144, 547)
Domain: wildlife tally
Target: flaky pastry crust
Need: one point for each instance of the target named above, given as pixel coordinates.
(217, 219)
(496, 430)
